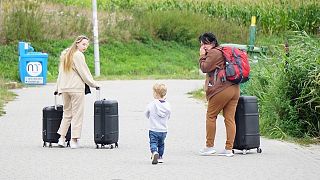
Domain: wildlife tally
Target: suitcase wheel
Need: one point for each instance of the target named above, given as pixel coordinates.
(116, 145)
(50, 145)
(44, 144)
(101, 146)
(244, 151)
(97, 146)
(259, 150)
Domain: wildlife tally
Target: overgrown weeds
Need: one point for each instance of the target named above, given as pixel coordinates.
(288, 87)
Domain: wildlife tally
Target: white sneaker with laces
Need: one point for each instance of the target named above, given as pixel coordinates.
(207, 151)
(74, 144)
(62, 142)
(155, 157)
(227, 153)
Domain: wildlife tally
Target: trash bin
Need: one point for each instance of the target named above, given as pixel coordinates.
(32, 65)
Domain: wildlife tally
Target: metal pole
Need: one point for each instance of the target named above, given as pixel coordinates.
(95, 38)
(252, 35)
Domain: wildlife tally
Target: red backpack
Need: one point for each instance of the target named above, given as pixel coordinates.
(237, 64)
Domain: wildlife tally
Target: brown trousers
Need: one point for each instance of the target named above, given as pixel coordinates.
(227, 101)
(73, 110)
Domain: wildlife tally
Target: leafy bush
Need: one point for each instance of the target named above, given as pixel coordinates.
(288, 88)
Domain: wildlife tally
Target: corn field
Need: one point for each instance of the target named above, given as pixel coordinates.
(129, 19)
(273, 16)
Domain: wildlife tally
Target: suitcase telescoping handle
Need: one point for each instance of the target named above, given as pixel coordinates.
(98, 94)
(55, 101)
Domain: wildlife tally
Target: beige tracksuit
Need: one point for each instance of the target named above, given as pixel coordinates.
(71, 85)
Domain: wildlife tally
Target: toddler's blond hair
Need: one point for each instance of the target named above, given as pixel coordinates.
(160, 90)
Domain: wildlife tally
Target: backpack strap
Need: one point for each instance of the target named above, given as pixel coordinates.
(219, 69)
(220, 49)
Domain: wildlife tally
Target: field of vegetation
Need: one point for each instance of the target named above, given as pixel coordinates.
(153, 39)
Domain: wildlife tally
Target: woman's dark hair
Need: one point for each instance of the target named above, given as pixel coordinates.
(208, 38)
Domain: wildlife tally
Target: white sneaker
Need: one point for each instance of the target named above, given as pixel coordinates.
(160, 160)
(62, 142)
(227, 153)
(74, 144)
(207, 151)
(155, 157)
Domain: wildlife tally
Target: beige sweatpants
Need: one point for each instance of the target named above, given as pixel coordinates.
(73, 110)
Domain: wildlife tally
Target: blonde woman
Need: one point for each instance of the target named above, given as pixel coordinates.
(73, 75)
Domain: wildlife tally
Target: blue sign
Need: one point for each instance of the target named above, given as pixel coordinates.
(32, 65)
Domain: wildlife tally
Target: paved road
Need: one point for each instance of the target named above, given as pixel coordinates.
(23, 157)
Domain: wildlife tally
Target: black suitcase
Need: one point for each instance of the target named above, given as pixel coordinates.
(51, 119)
(247, 125)
(106, 123)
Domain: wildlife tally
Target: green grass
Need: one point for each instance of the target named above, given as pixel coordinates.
(198, 94)
(130, 60)
(140, 60)
(5, 95)
(9, 62)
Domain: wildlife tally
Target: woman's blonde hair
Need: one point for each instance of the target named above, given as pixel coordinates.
(160, 90)
(68, 57)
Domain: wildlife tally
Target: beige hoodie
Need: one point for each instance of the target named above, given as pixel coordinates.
(74, 80)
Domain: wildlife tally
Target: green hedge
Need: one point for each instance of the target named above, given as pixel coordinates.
(288, 88)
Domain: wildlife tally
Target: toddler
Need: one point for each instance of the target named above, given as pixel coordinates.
(158, 112)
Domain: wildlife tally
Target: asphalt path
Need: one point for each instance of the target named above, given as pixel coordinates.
(23, 157)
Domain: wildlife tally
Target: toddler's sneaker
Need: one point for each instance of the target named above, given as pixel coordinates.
(227, 153)
(155, 157)
(207, 151)
(62, 142)
(74, 144)
(160, 160)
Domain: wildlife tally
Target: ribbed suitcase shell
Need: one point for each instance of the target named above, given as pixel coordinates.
(51, 119)
(247, 124)
(106, 122)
